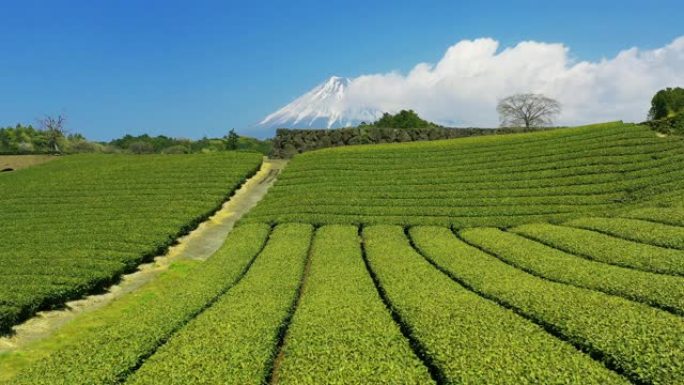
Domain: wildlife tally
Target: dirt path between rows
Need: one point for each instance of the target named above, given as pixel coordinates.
(200, 244)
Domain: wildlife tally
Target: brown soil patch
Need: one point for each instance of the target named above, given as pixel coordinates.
(17, 162)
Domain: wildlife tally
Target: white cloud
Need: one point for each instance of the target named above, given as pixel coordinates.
(464, 86)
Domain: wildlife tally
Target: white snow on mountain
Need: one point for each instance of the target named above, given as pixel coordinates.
(325, 106)
(464, 86)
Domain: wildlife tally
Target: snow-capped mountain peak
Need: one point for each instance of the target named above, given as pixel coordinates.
(323, 107)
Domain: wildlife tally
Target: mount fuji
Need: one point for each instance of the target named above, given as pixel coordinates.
(323, 107)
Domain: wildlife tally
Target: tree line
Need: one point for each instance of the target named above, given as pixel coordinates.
(51, 137)
(289, 142)
(666, 114)
(22, 139)
(517, 113)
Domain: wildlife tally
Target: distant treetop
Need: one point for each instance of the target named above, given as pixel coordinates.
(667, 103)
(402, 119)
(527, 110)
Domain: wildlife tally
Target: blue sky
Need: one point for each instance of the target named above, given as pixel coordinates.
(200, 68)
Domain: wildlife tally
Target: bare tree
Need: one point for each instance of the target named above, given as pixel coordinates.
(54, 129)
(527, 110)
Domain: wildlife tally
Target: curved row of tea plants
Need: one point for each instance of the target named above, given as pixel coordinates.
(235, 340)
(341, 332)
(666, 215)
(76, 224)
(485, 181)
(606, 248)
(659, 290)
(642, 231)
(493, 307)
(468, 338)
(644, 343)
(106, 351)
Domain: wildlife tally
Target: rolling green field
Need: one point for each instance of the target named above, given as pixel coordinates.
(554, 257)
(76, 224)
(484, 181)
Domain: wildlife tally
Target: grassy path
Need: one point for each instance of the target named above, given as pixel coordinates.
(201, 243)
(210, 235)
(55, 330)
(133, 327)
(235, 340)
(87, 220)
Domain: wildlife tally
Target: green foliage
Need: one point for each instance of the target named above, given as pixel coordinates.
(134, 327)
(232, 140)
(652, 289)
(75, 224)
(28, 140)
(141, 147)
(177, 149)
(671, 125)
(569, 305)
(485, 181)
(82, 146)
(144, 144)
(349, 330)
(667, 111)
(53, 127)
(402, 119)
(235, 340)
(608, 249)
(50, 138)
(642, 342)
(246, 143)
(670, 216)
(289, 142)
(667, 103)
(651, 233)
(152, 144)
(471, 340)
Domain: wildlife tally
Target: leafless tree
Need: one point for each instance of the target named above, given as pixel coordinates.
(527, 110)
(54, 129)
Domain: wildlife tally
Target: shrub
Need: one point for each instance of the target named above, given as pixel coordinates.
(141, 148)
(177, 149)
(672, 125)
(667, 103)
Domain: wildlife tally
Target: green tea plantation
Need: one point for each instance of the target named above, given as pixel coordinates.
(553, 257)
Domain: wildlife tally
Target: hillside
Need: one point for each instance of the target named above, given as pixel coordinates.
(484, 181)
(76, 224)
(554, 257)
